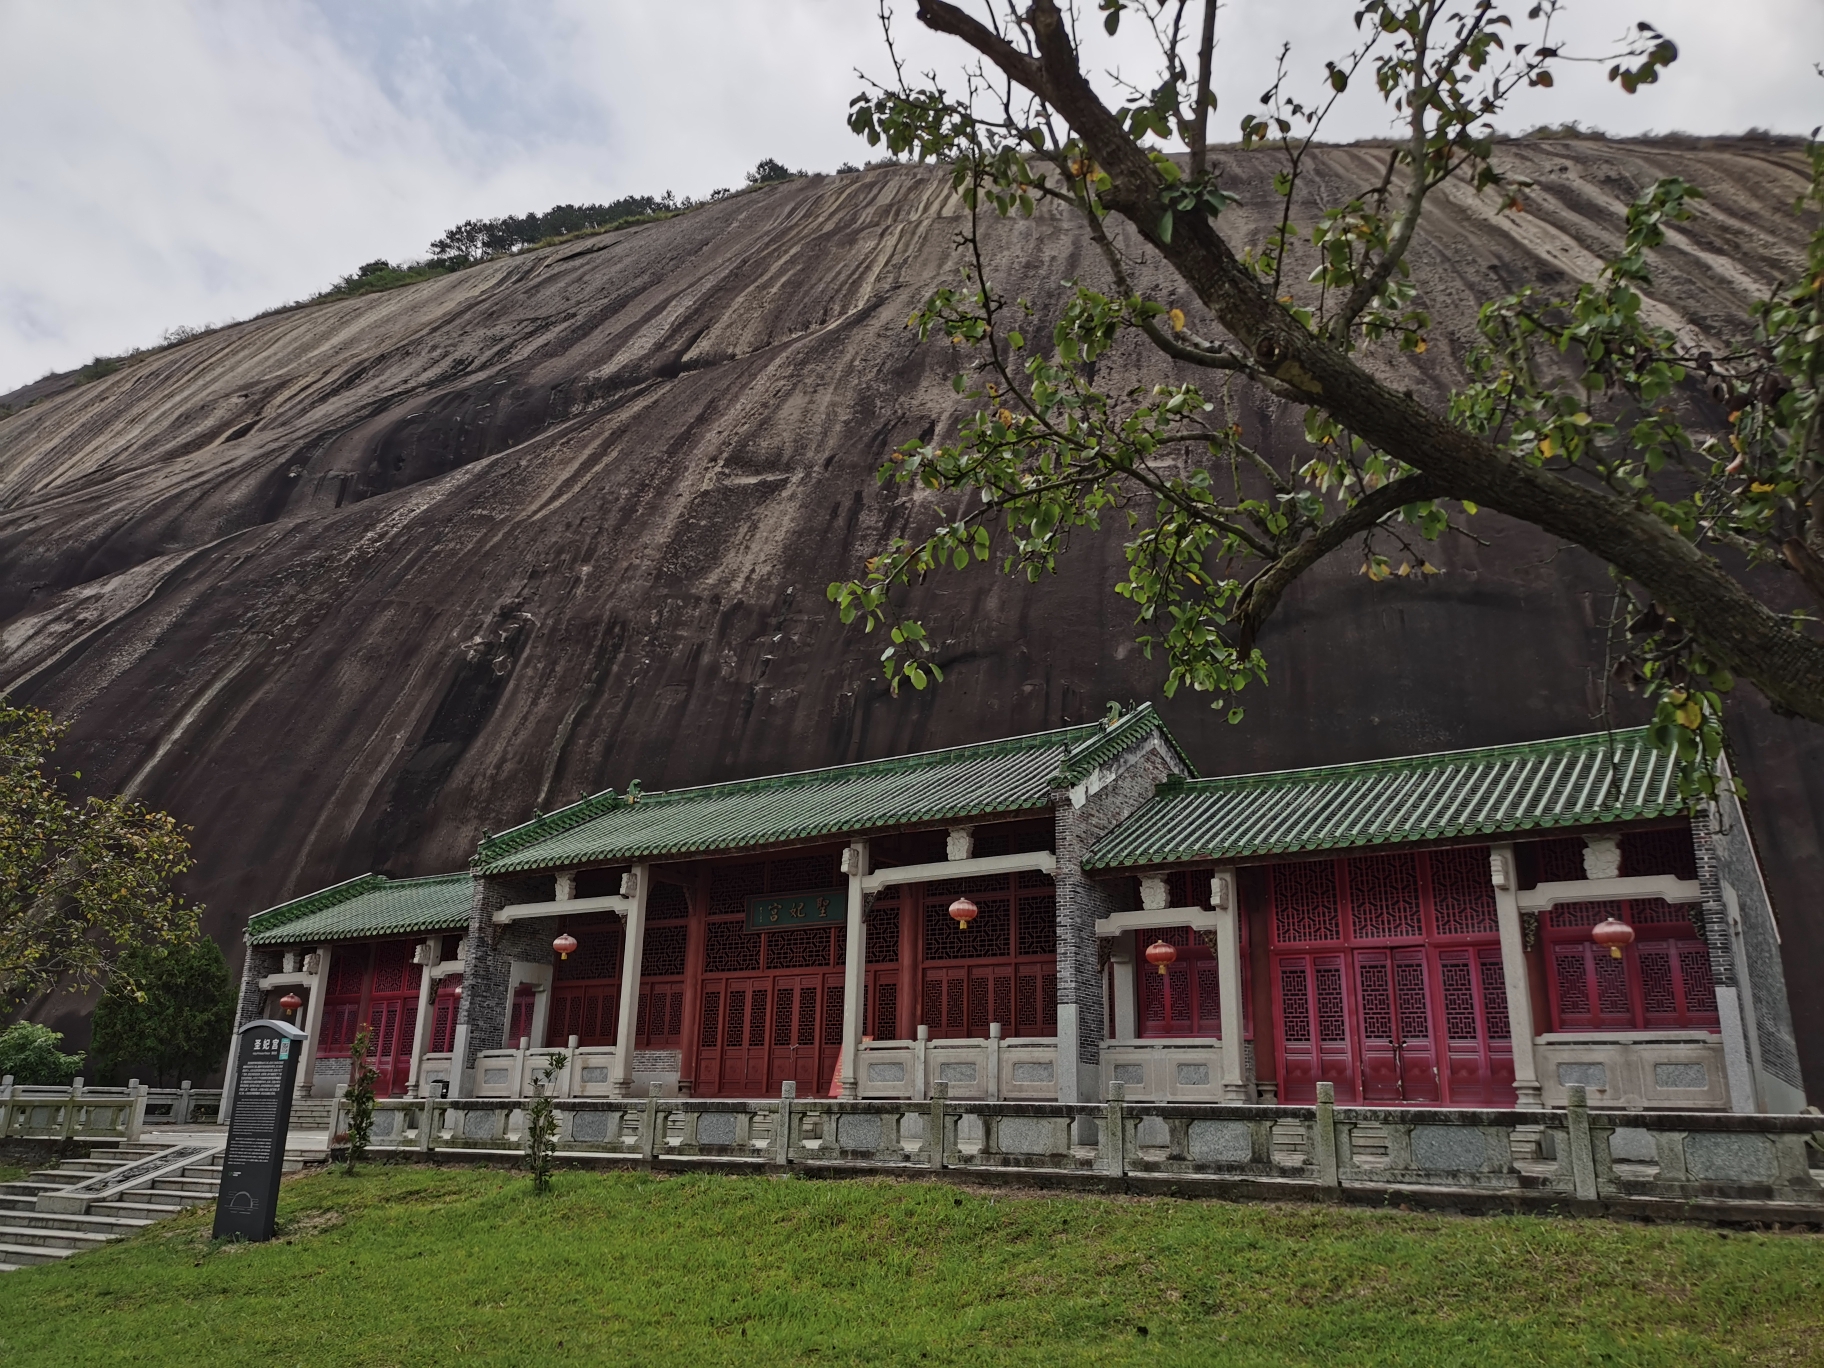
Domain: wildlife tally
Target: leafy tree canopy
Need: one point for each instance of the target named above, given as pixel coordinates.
(29, 1053)
(81, 883)
(173, 1023)
(1694, 467)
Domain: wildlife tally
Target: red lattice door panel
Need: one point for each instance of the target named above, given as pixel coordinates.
(1661, 980)
(1311, 1004)
(588, 1011)
(660, 1021)
(392, 1014)
(803, 1045)
(1185, 1001)
(443, 1015)
(1398, 1061)
(1479, 1056)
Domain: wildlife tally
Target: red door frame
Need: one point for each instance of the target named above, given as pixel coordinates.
(1386, 979)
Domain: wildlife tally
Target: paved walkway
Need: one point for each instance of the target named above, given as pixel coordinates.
(308, 1145)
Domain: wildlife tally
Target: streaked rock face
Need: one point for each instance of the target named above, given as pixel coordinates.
(347, 586)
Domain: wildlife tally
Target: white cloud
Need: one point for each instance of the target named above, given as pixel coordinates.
(181, 161)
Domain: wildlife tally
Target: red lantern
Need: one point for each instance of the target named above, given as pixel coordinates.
(964, 912)
(564, 944)
(1161, 953)
(1613, 934)
(291, 1002)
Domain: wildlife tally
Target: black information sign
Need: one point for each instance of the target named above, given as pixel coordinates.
(824, 907)
(265, 1074)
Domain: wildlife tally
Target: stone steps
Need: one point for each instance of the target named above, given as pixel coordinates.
(28, 1236)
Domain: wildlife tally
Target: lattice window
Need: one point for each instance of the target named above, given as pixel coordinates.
(1573, 981)
(347, 967)
(663, 954)
(443, 1027)
(1048, 1004)
(1656, 989)
(1656, 912)
(1304, 902)
(1188, 888)
(886, 1011)
(1569, 916)
(731, 885)
(597, 954)
(756, 1019)
(1612, 985)
(802, 874)
(978, 1008)
(1003, 1001)
(1330, 1024)
(737, 1018)
(1559, 860)
(988, 936)
(1409, 984)
(1377, 999)
(730, 948)
(933, 1014)
(832, 1014)
(591, 1020)
(782, 1016)
(667, 902)
(1038, 924)
(1209, 997)
(712, 1018)
(1462, 893)
(1037, 880)
(804, 947)
(883, 933)
(394, 971)
(807, 1017)
(1694, 975)
(676, 1023)
(1494, 997)
(955, 1018)
(1295, 1003)
(1384, 897)
(1670, 851)
(1026, 1005)
(1458, 983)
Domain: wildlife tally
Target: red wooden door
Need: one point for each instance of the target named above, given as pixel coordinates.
(1479, 1055)
(1310, 1004)
(443, 1015)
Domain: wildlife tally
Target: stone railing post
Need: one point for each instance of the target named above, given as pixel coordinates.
(1583, 1156)
(427, 1124)
(934, 1136)
(649, 1124)
(787, 1091)
(335, 1115)
(136, 1110)
(69, 1108)
(6, 1104)
(993, 1090)
(1114, 1131)
(182, 1110)
(1329, 1182)
(921, 1079)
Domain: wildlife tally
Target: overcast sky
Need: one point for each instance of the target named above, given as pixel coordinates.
(181, 162)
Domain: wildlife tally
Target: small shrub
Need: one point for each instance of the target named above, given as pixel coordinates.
(770, 171)
(360, 1096)
(541, 1125)
(29, 1053)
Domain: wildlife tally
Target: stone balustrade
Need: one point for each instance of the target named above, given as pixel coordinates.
(78, 1112)
(182, 1106)
(1703, 1165)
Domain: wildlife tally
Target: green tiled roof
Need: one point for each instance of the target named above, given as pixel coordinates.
(966, 781)
(371, 905)
(1573, 781)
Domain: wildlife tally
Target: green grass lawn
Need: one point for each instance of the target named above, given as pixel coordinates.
(438, 1266)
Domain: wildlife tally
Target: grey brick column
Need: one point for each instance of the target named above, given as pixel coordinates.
(487, 965)
(1081, 816)
(261, 961)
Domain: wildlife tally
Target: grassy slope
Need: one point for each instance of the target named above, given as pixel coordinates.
(418, 1265)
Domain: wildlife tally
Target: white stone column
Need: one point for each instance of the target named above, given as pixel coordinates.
(1504, 874)
(430, 952)
(854, 977)
(1121, 965)
(634, 948)
(1228, 983)
(313, 1024)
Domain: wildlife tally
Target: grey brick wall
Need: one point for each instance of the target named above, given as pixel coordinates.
(261, 961)
(487, 962)
(1080, 899)
(1732, 849)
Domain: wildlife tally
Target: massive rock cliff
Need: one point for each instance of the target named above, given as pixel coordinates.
(347, 586)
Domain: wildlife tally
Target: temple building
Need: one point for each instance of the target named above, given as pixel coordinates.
(1042, 916)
